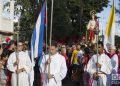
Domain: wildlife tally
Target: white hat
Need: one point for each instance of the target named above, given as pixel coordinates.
(4, 42)
(113, 47)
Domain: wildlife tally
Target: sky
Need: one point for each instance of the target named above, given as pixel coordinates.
(104, 16)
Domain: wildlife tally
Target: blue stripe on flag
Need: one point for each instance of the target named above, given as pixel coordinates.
(42, 26)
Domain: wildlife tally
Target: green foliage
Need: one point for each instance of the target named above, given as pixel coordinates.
(117, 40)
(70, 16)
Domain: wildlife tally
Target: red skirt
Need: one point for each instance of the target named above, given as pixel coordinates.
(91, 35)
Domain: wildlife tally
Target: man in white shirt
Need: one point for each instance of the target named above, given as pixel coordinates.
(99, 69)
(53, 69)
(114, 59)
(20, 66)
(114, 62)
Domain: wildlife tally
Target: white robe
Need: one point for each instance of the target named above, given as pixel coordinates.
(31, 74)
(114, 62)
(58, 68)
(106, 67)
(24, 62)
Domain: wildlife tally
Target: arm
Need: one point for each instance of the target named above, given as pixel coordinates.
(10, 63)
(1, 65)
(28, 66)
(107, 67)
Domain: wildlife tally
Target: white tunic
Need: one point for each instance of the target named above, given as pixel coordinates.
(114, 62)
(106, 68)
(24, 62)
(31, 74)
(58, 68)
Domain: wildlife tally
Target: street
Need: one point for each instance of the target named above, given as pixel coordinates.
(69, 82)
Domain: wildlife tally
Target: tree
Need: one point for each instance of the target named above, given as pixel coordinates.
(70, 16)
(80, 11)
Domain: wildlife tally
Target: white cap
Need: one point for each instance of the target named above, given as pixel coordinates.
(4, 42)
(113, 47)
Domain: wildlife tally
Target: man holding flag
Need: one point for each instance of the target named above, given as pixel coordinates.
(38, 37)
(53, 67)
(58, 68)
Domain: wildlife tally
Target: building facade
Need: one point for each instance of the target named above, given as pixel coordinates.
(6, 24)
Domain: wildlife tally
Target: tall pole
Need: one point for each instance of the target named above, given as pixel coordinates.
(97, 39)
(17, 53)
(86, 36)
(97, 56)
(51, 22)
(81, 13)
(50, 34)
(102, 36)
(46, 26)
(1, 11)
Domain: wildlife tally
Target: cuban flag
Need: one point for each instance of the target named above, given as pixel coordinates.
(38, 35)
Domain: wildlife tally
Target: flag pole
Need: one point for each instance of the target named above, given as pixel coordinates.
(102, 36)
(18, 27)
(97, 54)
(97, 39)
(86, 37)
(51, 22)
(46, 26)
(50, 34)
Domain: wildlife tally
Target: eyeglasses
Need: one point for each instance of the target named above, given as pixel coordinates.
(20, 45)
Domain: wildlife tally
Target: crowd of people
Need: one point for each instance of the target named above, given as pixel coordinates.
(87, 68)
(13, 66)
(78, 62)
